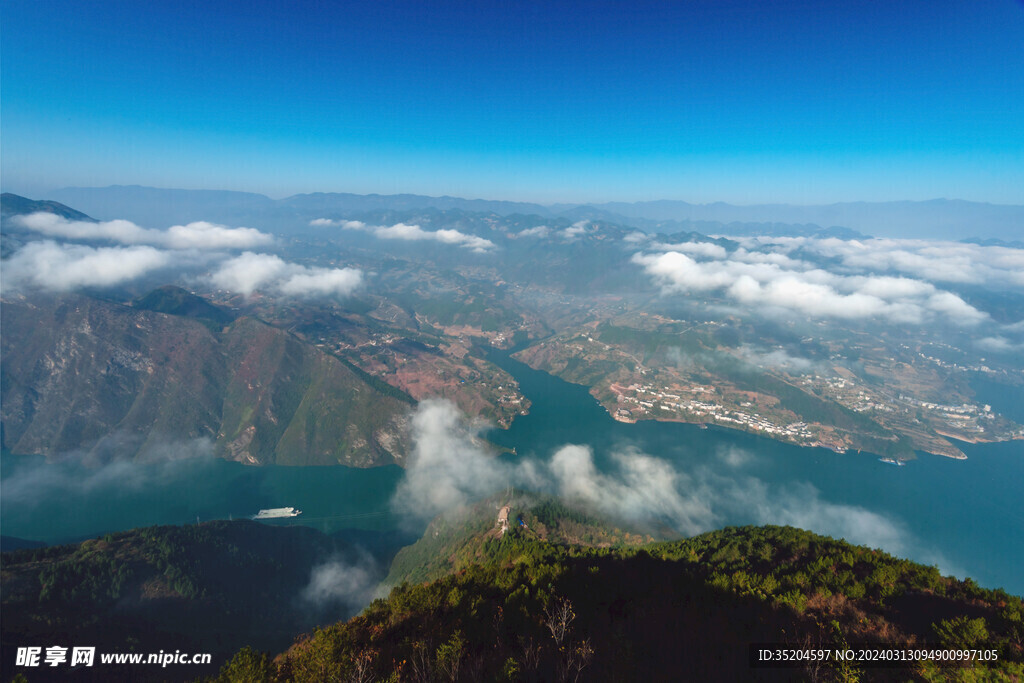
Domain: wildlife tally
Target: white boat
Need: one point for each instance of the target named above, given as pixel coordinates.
(275, 513)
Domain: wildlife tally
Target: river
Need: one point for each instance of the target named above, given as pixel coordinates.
(964, 516)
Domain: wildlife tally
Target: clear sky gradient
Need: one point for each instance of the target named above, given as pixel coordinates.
(735, 100)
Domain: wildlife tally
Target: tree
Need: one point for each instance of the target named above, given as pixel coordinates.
(362, 667)
(961, 631)
(247, 666)
(577, 659)
(559, 616)
(449, 656)
(846, 672)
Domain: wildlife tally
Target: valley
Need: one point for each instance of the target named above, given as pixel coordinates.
(429, 376)
(403, 342)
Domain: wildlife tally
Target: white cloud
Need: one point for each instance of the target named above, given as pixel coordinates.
(777, 358)
(704, 249)
(896, 280)
(813, 291)
(402, 231)
(939, 261)
(650, 492)
(348, 225)
(52, 225)
(250, 271)
(406, 232)
(53, 266)
(323, 282)
(198, 235)
(477, 244)
(800, 505)
(247, 273)
(203, 235)
(115, 464)
(536, 231)
(575, 230)
(351, 584)
(931, 260)
(62, 267)
(998, 345)
(793, 292)
(645, 489)
(955, 308)
(449, 468)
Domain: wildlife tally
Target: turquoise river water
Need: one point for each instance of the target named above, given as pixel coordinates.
(965, 516)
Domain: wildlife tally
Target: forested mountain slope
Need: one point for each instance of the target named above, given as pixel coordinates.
(83, 374)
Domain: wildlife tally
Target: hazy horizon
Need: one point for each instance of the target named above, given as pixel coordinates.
(42, 195)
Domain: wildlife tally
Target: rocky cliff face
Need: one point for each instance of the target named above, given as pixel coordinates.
(81, 374)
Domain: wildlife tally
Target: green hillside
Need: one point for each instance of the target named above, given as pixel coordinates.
(533, 610)
(470, 536)
(84, 374)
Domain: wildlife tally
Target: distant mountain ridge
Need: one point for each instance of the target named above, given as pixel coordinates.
(15, 205)
(937, 218)
(931, 219)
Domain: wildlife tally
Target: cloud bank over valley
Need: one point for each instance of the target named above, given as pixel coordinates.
(413, 233)
(197, 235)
(196, 252)
(451, 467)
(897, 281)
(251, 271)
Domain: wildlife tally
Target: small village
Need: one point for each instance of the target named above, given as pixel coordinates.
(648, 401)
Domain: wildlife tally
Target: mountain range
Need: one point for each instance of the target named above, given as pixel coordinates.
(933, 219)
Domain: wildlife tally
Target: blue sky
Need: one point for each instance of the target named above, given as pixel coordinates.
(708, 100)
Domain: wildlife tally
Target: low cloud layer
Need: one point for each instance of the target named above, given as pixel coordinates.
(769, 282)
(936, 261)
(250, 271)
(342, 584)
(701, 249)
(641, 489)
(574, 231)
(54, 267)
(539, 231)
(198, 235)
(779, 359)
(184, 251)
(113, 465)
(450, 468)
(999, 345)
(413, 233)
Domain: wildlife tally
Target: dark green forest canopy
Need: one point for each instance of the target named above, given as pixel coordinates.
(534, 610)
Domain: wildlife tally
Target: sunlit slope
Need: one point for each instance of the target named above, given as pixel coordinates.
(474, 534)
(522, 608)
